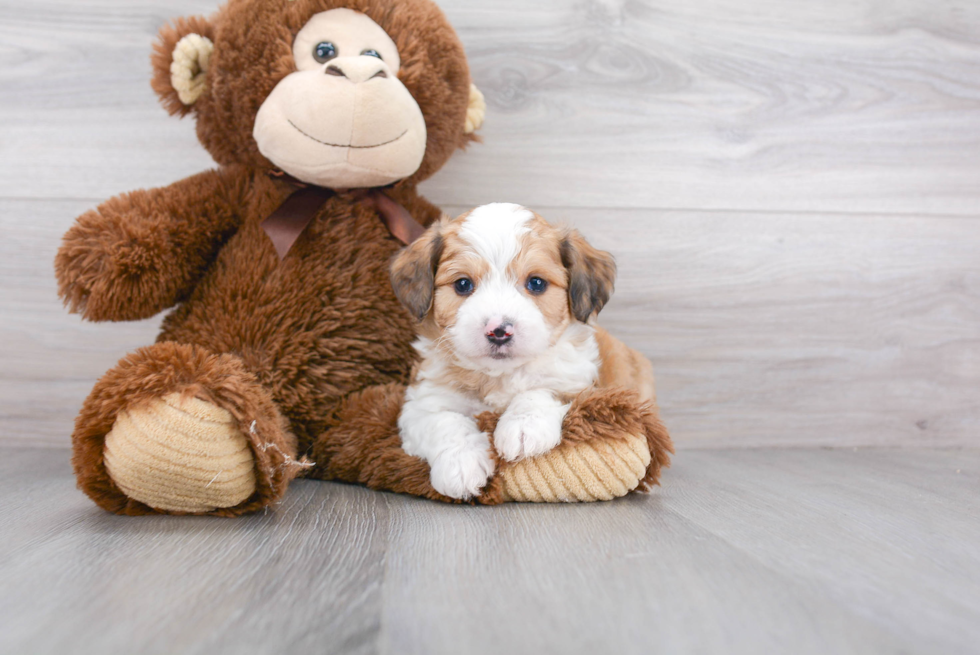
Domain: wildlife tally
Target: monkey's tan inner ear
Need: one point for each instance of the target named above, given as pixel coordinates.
(476, 111)
(190, 66)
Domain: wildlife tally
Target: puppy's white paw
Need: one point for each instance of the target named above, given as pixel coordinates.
(461, 473)
(527, 434)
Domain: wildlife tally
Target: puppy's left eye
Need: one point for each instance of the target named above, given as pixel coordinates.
(463, 286)
(371, 53)
(536, 285)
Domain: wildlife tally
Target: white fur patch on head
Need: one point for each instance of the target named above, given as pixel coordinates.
(494, 232)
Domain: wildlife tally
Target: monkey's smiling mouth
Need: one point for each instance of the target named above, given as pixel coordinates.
(342, 145)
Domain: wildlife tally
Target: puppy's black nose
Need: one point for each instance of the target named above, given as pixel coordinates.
(501, 334)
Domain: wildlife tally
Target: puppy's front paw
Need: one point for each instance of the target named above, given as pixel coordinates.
(461, 473)
(526, 434)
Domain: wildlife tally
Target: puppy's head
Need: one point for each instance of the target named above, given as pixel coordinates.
(499, 285)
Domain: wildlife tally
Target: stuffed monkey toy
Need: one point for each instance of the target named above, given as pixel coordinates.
(285, 351)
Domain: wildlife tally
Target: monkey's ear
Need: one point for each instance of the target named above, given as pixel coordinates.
(413, 271)
(476, 111)
(591, 275)
(180, 63)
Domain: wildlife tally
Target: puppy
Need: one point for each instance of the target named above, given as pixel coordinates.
(506, 306)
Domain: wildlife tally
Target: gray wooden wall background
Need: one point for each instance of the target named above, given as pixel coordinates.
(792, 189)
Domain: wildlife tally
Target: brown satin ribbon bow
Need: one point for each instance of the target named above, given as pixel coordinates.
(285, 224)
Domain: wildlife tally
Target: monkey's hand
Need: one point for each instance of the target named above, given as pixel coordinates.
(140, 253)
(112, 266)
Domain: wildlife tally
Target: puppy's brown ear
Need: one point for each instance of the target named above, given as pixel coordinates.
(591, 275)
(413, 271)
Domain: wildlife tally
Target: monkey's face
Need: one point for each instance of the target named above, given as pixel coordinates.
(343, 119)
(338, 93)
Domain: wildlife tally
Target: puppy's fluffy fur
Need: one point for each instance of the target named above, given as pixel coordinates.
(506, 304)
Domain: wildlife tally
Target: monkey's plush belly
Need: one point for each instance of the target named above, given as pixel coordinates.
(312, 328)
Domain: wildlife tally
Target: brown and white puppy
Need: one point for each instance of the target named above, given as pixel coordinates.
(506, 304)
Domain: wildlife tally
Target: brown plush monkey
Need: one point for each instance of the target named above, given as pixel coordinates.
(286, 349)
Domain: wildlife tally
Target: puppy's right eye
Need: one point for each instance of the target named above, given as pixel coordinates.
(536, 285)
(463, 286)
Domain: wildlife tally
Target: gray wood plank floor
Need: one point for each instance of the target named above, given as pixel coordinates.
(741, 551)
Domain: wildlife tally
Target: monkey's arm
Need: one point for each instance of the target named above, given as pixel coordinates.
(142, 252)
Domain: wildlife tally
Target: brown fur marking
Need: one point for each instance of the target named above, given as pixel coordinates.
(413, 271)
(621, 366)
(591, 275)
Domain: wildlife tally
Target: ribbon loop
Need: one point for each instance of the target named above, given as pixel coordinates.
(287, 223)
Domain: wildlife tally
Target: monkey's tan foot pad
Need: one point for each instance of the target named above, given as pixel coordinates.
(181, 454)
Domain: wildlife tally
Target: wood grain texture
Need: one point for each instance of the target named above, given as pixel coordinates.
(192, 586)
(842, 106)
(765, 105)
(50, 359)
(741, 551)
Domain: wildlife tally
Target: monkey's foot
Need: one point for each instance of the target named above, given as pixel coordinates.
(180, 454)
(176, 429)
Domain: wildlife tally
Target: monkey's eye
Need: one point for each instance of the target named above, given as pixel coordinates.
(463, 286)
(372, 53)
(536, 285)
(324, 52)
